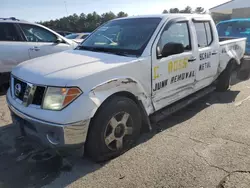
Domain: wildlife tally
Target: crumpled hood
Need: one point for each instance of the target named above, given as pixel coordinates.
(62, 68)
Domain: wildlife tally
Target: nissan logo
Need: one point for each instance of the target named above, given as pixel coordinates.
(18, 89)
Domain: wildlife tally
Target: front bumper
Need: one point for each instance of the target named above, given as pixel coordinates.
(51, 134)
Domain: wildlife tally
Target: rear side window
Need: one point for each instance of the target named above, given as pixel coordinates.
(209, 33)
(8, 32)
(204, 34)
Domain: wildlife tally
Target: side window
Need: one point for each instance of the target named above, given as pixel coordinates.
(35, 33)
(8, 32)
(204, 34)
(209, 33)
(176, 33)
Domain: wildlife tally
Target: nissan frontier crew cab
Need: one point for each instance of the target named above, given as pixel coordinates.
(104, 92)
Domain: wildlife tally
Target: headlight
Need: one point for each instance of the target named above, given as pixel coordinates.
(58, 98)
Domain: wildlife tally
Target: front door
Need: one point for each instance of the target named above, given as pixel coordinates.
(173, 76)
(43, 41)
(46, 48)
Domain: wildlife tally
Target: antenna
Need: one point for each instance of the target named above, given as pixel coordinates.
(65, 3)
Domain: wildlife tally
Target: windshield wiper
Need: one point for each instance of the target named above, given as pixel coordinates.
(105, 50)
(121, 54)
(92, 49)
(85, 48)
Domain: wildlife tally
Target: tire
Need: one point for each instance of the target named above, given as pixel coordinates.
(110, 134)
(4, 79)
(223, 82)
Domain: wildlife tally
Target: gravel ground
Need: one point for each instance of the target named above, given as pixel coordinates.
(206, 144)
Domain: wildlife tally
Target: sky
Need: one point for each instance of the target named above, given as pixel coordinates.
(42, 10)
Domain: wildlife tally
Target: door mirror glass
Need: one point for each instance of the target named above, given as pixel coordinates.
(58, 40)
(172, 49)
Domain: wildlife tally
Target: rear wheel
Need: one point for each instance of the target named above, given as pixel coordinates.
(114, 129)
(225, 78)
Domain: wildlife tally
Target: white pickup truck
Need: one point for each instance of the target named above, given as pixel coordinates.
(102, 94)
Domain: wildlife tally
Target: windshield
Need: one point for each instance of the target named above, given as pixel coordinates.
(234, 29)
(127, 36)
(72, 36)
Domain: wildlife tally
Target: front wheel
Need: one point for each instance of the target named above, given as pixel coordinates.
(114, 129)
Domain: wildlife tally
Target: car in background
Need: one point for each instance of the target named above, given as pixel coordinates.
(22, 40)
(235, 28)
(63, 33)
(77, 37)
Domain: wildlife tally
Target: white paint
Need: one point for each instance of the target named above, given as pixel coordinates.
(100, 75)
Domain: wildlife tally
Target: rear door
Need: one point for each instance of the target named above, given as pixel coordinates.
(173, 76)
(13, 49)
(208, 50)
(43, 41)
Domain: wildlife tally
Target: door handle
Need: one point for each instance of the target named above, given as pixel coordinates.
(35, 49)
(214, 53)
(192, 59)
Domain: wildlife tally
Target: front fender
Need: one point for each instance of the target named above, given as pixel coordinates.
(101, 92)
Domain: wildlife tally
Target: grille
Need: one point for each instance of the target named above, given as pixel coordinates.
(23, 85)
(38, 93)
(38, 96)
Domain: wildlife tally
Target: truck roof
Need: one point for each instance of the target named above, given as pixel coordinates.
(166, 16)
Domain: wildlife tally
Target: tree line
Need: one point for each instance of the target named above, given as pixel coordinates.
(188, 10)
(82, 22)
(88, 22)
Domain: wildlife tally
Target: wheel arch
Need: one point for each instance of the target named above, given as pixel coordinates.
(233, 61)
(125, 87)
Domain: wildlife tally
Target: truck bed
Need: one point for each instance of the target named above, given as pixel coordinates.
(221, 39)
(231, 48)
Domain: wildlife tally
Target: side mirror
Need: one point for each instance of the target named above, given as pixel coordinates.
(172, 49)
(58, 40)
